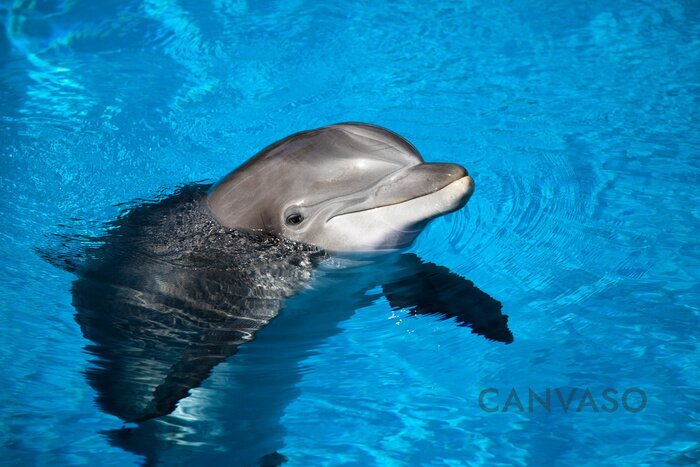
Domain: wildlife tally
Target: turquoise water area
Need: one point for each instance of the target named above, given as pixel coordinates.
(578, 121)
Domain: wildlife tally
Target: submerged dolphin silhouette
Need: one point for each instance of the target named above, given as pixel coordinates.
(176, 286)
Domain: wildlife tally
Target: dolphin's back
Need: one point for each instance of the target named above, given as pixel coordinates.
(169, 293)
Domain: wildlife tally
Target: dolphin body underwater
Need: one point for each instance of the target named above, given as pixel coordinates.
(177, 286)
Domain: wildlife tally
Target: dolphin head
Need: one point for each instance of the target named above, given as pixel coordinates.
(344, 187)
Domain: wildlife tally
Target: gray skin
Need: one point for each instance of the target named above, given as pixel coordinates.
(344, 187)
(179, 285)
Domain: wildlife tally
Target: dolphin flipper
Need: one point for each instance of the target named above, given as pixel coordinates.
(428, 289)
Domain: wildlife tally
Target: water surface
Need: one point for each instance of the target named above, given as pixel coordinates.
(579, 123)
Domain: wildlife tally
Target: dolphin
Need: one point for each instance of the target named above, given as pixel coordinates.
(177, 285)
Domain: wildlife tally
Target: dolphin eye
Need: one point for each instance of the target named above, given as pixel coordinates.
(295, 219)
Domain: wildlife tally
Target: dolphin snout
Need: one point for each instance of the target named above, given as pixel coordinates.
(443, 172)
(417, 181)
(453, 181)
(434, 176)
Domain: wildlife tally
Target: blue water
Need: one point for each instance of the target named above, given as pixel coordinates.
(578, 120)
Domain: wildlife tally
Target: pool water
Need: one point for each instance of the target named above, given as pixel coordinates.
(578, 121)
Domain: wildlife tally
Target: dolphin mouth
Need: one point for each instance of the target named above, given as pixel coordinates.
(416, 182)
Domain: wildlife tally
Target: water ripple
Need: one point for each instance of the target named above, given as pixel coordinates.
(577, 121)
